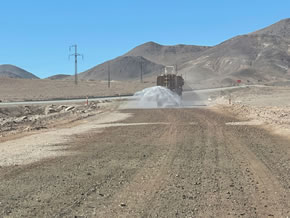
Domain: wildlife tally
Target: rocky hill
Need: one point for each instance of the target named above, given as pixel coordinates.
(281, 28)
(153, 57)
(260, 56)
(123, 68)
(167, 55)
(11, 71)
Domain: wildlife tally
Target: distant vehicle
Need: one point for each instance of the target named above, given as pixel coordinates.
(171, 81)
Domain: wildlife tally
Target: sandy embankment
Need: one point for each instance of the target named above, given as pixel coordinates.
(268, 107)
(53, 142)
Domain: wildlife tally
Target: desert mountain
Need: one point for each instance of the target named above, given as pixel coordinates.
(260, 56)
(11, 71)
(263, 55)
(123, 68)
(281, 28)
(167, 55)
(153, 57)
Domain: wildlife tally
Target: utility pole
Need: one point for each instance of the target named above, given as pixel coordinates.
(109, 75)
(76, 54)
(141, 72)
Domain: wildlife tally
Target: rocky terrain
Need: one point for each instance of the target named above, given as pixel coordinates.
(264, 106)
(156, 163)
(24, 119)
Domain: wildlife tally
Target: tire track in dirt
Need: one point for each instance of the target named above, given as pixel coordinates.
(267, 195)
(145, 185)
(219, 172)
(194, 167)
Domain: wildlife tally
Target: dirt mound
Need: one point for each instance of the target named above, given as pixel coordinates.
(26, 118)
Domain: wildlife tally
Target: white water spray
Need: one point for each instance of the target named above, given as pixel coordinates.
(156, 96)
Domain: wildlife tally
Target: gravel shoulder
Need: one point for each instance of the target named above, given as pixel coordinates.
(158, 163)
(268, 107)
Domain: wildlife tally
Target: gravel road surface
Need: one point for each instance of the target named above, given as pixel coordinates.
(164, 163)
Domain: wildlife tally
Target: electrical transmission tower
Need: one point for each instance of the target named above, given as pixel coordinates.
(76, 54)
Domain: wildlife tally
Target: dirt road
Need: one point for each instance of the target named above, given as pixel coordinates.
(157, 163)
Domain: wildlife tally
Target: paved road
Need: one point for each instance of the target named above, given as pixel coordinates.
(200, 95)
(186, 163)
(62, 101)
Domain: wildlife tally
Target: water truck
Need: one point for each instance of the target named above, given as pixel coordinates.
(171, 80)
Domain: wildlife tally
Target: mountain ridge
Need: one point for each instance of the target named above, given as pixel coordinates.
(12, 71)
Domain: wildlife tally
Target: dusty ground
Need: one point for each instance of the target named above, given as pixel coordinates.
(26, 89)
(22, 119)
(156, 163)
(265, 106)
(101, 161)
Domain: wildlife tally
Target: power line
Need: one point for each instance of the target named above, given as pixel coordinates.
(76, 54)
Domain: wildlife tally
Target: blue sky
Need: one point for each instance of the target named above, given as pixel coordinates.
(35, 34)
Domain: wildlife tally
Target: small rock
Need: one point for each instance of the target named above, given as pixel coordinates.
(69, 108)
(123, 205)
(61, 107)
(21, 119)
(49, 110)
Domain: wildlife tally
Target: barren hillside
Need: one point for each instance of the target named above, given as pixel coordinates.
(11, 71)
(261, 56)
(281, 28)
(167, 55)
(123, 68)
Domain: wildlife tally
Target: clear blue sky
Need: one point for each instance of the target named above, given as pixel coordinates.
(35, 34)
